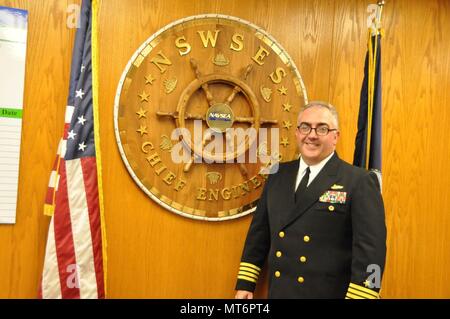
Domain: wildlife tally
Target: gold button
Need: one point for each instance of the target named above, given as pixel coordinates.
(306, 239)
(303, 259)
(281, 234)
(277, 274)
(331, 208)
(301, 279)
(278, 254)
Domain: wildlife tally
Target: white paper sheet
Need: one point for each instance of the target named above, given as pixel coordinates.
(13, 40)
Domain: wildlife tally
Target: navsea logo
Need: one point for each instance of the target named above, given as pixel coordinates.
(219, 116)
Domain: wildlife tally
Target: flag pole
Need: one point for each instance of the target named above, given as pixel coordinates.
(95, 84)
(379, 11)
(375, 31)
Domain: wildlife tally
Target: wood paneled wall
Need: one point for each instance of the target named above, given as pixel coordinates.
(155, 254)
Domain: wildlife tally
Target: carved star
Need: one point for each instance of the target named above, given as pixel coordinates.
(287, 124)
(144, 96)
(282, 90)
(149, 79)
(142, 130)
(141, 113)
(284, 141)
(287, 107)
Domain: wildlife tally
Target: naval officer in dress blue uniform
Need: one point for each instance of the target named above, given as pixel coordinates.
(319, 223)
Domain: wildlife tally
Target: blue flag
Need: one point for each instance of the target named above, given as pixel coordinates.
(368, 138)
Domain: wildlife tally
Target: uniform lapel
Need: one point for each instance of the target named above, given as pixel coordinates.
(289, 178)
(322, 182)
(283, 191)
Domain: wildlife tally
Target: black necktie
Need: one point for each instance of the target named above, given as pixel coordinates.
(303, 185)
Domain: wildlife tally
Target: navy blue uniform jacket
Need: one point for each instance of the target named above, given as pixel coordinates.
(329, 244)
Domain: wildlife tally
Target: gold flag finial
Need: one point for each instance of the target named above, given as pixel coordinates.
(379, 11)
(375, 20)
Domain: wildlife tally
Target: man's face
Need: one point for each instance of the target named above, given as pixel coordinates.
(314, 148)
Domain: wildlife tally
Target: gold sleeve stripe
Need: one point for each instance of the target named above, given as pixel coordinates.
(249, 270)
(360, 294)
(247, 278)
(365, 290)
(251, 266)
(352, 296)
(248, 274)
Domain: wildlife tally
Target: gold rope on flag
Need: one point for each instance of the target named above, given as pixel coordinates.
(375, 31)
(94, 43)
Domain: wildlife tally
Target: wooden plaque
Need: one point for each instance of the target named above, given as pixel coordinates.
(205, 108)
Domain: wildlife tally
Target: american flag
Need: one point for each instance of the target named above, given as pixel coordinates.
(74, 259)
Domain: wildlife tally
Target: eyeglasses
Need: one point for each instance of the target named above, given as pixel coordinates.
(321, 130)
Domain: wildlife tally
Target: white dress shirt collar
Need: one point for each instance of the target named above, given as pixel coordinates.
(315, 170)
